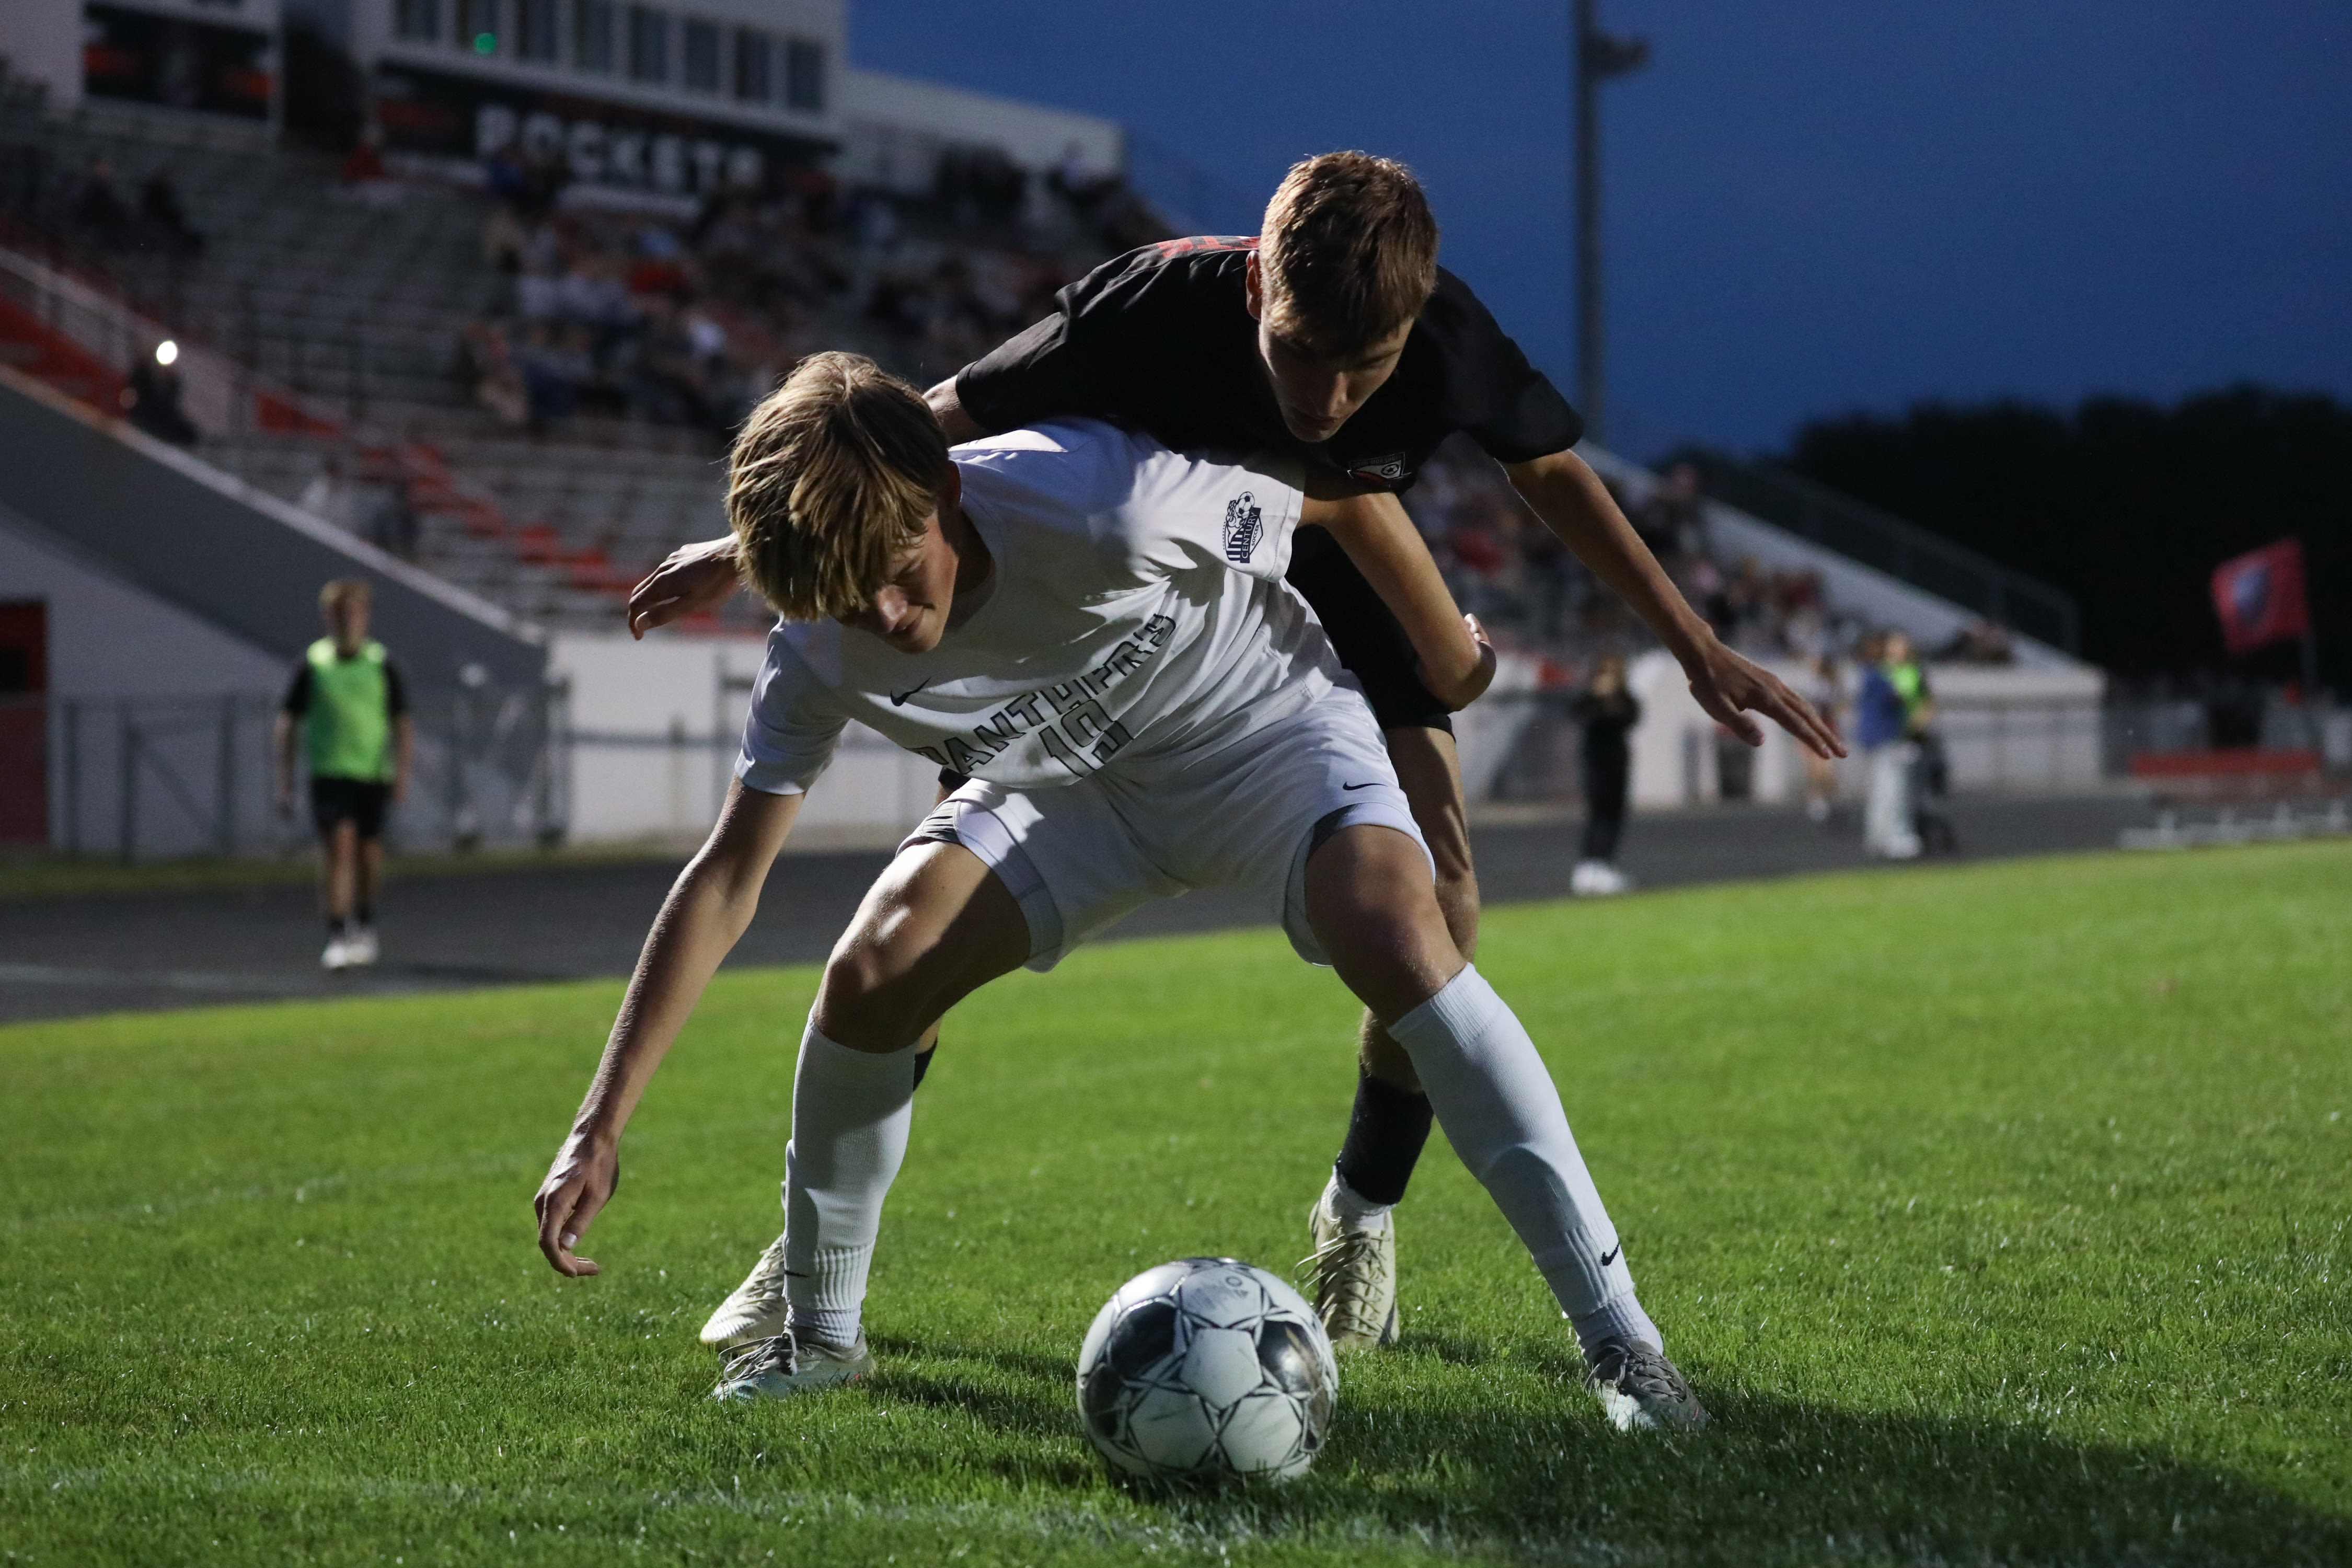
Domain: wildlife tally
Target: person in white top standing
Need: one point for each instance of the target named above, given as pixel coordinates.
(1094, 629)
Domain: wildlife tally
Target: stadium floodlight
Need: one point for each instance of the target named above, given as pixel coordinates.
(1599, 56)
(166, 351)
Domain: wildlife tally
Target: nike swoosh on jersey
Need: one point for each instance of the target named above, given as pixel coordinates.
(898, 699)
(1366, 784)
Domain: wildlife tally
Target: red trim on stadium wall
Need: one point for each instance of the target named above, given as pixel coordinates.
(147, 58)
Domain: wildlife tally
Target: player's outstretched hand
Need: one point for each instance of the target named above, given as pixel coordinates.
(579, 1184)
(696, 577)
(1731, 687)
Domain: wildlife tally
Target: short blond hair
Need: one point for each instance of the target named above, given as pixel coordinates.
(339, 589)
(1347, 251)
(832, 479)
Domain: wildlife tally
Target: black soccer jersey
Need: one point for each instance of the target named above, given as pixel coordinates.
(1162, 338)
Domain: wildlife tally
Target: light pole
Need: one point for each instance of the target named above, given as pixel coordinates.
(1599, 56)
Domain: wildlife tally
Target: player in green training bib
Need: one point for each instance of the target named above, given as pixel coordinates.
(347, 703)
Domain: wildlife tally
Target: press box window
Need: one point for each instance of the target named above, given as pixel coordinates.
(804, 74)
(592, 35)
(648, 44)
(535, 30)
(698, 51)
(477, 25)
(755, 65)
(417, 19)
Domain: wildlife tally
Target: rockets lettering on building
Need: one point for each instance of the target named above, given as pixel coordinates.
(1068, 718)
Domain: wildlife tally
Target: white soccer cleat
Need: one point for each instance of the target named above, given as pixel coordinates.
(338, 956)
(1640, 1390)
(1354, 1272)
(756, 1310)
(1598, 879)
(782, 1365)
(361, 948)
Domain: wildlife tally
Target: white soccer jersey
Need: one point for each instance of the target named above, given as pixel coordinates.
(1136, 612)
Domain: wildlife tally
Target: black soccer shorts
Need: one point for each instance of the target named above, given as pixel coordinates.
(359, 802)
(1367, 637)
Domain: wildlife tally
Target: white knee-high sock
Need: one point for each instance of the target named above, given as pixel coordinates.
(851, 1111)
(1502, 1113)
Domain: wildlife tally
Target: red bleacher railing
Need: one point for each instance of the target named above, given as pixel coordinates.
(74, 336)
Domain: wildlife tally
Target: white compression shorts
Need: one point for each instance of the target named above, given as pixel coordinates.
(1081, 858)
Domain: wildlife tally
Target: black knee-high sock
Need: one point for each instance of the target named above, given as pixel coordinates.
(1385, 1139)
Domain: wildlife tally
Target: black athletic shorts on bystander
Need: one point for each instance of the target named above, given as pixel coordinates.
(359, 802)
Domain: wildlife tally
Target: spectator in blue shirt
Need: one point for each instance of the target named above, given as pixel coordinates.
(1893, 689)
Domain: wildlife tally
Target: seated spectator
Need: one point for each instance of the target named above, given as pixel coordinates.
(504, 178)
(160, 208)
(1673, 521)
(1705, 586)
(486, 366)
(150, 399)
(875, 221)
(553, 368)
(660, 269)
(363, 174)
(1978, 642)
(393, 525)
(98, 209)
(503, 239)
(331, 496)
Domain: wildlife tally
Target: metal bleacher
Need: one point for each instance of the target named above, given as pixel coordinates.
(355, 311)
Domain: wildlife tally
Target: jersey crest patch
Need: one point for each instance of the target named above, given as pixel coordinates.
(1386, 471)
(1245, 527)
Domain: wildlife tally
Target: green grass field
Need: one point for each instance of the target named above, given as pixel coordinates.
(1999, 1215)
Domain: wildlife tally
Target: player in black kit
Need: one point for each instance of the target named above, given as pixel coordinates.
(1336, 336)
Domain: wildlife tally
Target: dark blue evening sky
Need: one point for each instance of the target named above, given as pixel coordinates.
(1814, 206)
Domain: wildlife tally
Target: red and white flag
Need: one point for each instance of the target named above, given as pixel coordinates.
(2259, 596)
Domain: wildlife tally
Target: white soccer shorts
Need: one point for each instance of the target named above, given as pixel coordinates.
(1081, 858)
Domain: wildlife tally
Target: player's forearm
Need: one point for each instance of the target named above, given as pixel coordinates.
(955, 421)
(1382, 543)
(707, 911)
(1577, 507)
(704, 915)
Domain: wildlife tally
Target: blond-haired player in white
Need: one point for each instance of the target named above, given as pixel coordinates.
(1095, 630)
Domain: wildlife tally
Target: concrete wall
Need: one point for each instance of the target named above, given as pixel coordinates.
(108, 638)
(896, 127)
(42, 39)
(119, 660)
(656, 725)
(227, 553)
(2014, 727)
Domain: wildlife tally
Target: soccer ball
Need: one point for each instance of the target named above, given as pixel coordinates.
(1207, 1369)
